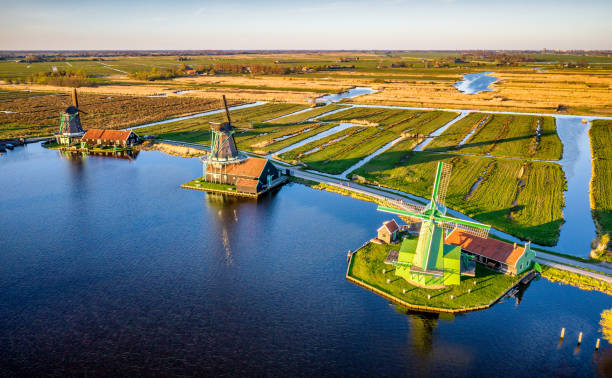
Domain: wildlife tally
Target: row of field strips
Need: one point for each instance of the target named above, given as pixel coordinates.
(501, 135)
(601, 185)
(522, 198)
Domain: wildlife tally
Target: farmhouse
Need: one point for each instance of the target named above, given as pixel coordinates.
(99, 137)
(389, 231)
(495, 254)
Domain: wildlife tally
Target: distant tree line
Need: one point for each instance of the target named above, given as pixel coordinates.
(60, 78)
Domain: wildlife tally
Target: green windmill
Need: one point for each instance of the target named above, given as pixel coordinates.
(428, 261)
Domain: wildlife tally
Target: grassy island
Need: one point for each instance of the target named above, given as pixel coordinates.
(366, 269)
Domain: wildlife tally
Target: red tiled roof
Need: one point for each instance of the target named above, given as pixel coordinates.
(251, 167)
(490, 248)
(107, 135)
(391, 226)
(247, 182)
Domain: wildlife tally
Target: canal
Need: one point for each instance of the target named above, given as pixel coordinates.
(106, 265)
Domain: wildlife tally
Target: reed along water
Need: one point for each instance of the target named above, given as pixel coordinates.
(107, 267)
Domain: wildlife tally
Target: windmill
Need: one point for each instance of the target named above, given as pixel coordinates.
(433, 263)
(223, 149)
(70, 122)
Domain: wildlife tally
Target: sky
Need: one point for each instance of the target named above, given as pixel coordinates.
(308, 24)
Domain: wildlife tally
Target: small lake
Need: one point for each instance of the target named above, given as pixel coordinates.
(476, 82)
(351, 93)
(106, 265)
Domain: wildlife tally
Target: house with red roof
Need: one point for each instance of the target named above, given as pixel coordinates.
(251, 175)
(495, 254)
(389, 232)
(100, 137)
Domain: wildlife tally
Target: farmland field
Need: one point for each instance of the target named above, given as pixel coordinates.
(601, 184)
(39, 115)
(253, 134)
(524, 199)
(338, 152)
(502, 135)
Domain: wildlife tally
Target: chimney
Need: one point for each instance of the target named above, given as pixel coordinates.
(75, 101)
(514, 245)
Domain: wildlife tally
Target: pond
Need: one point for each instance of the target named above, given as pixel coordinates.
(107, 265)
(351, 93)
(476, 82)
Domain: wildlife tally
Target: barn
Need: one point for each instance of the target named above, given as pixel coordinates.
(99, 137)
(494, 254)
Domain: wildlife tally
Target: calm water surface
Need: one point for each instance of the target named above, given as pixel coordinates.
(476, 82)
(107, 267)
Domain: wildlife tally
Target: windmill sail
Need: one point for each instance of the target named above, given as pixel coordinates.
(444, 178)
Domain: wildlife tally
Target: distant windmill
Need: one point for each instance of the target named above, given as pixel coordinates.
(70, 122)
(433, 263)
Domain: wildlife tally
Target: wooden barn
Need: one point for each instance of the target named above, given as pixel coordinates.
(495, 254)
(99, 137)
(252, 175)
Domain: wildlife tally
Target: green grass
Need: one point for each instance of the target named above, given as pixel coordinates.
(367, 265)
(575, 279)
(533, 213)
(308, 114)
(339, 152)
(601, 184)
(208, 185)
(502, 135)
(252, 135)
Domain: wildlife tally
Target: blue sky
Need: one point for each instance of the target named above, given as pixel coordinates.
(314, 24)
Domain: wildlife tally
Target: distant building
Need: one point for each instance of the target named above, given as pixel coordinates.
(389, 232)
(495, 254)
(99, 137)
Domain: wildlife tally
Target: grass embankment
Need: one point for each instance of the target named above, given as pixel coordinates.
(575, 279)
(502, 135)
(524, 199)
(39, 115)
(337, 153)
(601, 186)
(368, 263)
(335, 189)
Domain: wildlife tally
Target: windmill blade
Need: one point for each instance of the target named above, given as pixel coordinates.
(469, 227)
(444, 181)
(405, 213)
(227, 113)
(412, 207)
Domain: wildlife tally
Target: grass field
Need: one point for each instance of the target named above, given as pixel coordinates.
(601, 183)
(301, 117)
(368, 263)
(524, 199)
(39, 115)
(406, 78)
(575, 279)
(502, 135)
(337, 153)
(252, 135)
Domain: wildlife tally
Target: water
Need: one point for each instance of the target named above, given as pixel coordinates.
(353, 92)
(107, 266)
(476, 82)
(579, 229)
